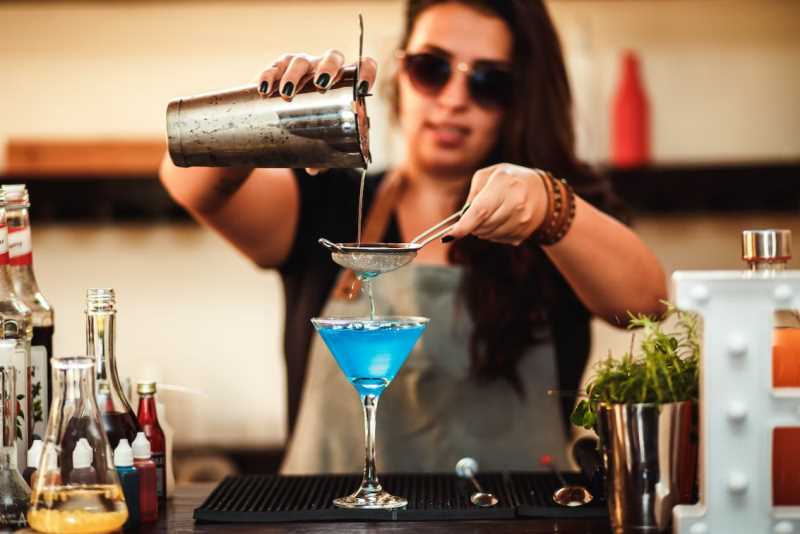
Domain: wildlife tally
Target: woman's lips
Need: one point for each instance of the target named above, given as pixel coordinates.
(448, 135)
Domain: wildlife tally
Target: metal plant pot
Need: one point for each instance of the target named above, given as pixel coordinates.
(650, 457)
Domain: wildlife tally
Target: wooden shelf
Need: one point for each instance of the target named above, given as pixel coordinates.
(85, 157)
(65, 193)
(724, 187)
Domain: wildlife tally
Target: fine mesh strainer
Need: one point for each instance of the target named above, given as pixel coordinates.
(369, 260)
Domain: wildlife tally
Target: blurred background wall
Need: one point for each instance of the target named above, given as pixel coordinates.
(723, 78)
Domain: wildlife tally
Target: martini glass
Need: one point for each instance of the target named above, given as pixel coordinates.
(369, 353)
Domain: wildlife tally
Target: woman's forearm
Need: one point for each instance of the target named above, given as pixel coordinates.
(256, 210)
(608, 266)
(202, 190)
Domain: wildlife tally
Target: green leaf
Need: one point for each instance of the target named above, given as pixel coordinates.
(666, 368)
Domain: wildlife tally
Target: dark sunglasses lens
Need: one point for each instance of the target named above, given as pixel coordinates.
(427, 71)
(490, 87)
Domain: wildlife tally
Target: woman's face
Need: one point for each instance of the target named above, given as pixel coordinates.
(448, 132)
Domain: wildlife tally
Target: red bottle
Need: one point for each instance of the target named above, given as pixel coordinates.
(148, 499)
(148, 422)
(630, 140)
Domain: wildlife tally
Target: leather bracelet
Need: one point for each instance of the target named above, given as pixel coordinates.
(560, 210)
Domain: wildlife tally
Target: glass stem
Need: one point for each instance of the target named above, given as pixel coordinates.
(370, 480)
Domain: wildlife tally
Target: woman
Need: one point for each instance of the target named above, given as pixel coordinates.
(483, 101)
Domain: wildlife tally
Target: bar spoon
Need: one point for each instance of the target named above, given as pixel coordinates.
(468, 468)
(567, 494)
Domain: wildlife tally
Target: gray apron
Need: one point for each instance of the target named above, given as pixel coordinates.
(433, 413)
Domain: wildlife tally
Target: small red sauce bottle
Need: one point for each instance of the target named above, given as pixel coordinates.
(148, 422)
(148, 498)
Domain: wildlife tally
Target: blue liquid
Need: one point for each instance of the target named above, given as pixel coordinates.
(370, 353)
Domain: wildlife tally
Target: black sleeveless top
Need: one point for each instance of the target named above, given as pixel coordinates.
(328, 208)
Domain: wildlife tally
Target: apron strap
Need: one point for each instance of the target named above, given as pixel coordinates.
(347, 285)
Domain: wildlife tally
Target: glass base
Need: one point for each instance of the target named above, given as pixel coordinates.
(370, 500)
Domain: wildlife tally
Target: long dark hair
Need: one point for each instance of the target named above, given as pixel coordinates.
(510, 291)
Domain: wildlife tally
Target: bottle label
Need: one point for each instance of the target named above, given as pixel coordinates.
(22, 364)
(3, 244)
(161, 463)
(13, 516)
(39, 381)
(19, 245)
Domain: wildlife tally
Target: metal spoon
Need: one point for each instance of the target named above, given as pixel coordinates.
(468, 468)
(568, 494)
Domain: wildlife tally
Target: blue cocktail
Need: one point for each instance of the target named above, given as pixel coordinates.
(370, 352)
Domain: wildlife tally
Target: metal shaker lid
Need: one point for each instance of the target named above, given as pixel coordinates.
(767, 245)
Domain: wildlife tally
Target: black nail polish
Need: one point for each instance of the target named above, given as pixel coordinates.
(363, 88)
(323, 80)
(288, 89)
(263, 88)
(448, 238)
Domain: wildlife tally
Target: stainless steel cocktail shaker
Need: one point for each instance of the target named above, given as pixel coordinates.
(242, 127)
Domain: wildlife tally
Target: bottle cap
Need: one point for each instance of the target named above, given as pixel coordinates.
(767, 245)
(83, 455)
(16, 195)
(141, 447)
(100, 300)
(123, 454)
(52, 462)
(146, 388)
(34, 453)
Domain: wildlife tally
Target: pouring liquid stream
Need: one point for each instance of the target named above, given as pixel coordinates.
(361, 203)
(366, 282)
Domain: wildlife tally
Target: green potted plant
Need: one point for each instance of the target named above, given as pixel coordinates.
(643, 407)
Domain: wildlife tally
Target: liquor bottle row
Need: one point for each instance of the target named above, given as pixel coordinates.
(67, 455)
(74, 476)
(26, 318)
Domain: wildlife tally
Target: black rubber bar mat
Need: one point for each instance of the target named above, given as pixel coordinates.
(431, 497)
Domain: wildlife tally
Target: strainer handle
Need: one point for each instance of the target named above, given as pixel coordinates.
(435, 232)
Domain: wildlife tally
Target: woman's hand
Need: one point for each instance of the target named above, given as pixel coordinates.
(508, 203)
(291, 72)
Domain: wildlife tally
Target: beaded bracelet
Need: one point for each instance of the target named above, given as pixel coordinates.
(560, 210)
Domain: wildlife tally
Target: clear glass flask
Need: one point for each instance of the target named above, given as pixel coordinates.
(62, 506)
(14, 493)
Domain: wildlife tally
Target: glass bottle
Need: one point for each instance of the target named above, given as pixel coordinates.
(148, 422)
(129, 478)
(15, 325)
(142, 461)
(27, 289)
(768, 252)
(58, 505)
(115, 410)
(14, 493)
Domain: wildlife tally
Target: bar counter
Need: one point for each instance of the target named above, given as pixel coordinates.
(177, 518)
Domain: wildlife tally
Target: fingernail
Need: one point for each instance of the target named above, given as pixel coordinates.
(363, 88)
(263, 88)
(323, 80)
(288, 89)
(448, 238)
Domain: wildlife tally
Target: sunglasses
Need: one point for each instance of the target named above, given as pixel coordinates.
(489, 85)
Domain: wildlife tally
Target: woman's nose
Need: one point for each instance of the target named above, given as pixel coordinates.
(455, 94)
